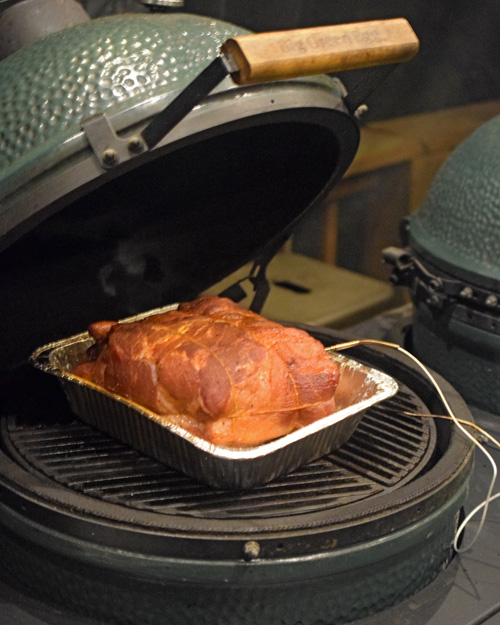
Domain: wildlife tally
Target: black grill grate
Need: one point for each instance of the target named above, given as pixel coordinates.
(388, 449)
(388, 443)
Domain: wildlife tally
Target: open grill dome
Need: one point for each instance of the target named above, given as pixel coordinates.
(129, 68)
(225, 186)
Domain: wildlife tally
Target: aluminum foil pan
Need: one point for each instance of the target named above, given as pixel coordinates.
(360, 387)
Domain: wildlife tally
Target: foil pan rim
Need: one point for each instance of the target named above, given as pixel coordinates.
(44, 358)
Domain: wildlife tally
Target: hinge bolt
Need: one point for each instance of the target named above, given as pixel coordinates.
(135, 145)
(360, 111)
(491, 301)
(110, 157)
(251, 550)
(467, 292)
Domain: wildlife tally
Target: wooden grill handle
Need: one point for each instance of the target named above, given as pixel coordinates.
(264, 57)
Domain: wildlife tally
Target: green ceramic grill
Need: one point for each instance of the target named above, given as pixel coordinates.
(452, 267)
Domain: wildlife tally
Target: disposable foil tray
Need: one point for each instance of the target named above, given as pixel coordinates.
(360, 387)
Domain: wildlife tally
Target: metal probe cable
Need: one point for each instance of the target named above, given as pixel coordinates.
(489, 496)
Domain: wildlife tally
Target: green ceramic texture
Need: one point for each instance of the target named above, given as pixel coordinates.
(109, 64)
(459, 220)
(407, 561)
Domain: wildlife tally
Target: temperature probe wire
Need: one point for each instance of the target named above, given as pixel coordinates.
(489, 496)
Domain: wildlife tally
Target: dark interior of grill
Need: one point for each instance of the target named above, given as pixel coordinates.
(139, 242)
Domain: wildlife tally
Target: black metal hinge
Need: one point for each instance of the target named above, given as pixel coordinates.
(474, 305)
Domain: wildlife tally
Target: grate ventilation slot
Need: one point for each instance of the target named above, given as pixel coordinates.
(387, 444)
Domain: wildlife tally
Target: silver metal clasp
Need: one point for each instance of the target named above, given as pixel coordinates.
(109, 148)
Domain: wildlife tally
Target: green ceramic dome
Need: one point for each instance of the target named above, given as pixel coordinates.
(112, 63)
(459, 220)
(457, 232)
(129, 67)
(224, 187)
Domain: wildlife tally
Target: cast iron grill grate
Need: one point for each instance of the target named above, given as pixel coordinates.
(387, 444)
(388, 449)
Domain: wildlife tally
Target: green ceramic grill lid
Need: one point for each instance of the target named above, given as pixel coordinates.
(130, 67)
(223, 188)
(458, 223)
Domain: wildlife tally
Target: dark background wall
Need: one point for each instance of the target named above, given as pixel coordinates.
(458, 62)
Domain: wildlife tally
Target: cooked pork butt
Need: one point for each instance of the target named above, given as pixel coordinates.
(221, 372)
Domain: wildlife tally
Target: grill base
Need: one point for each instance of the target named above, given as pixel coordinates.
(336, 587)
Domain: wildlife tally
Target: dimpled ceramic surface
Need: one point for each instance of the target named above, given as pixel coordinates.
(459, 221)
(111, 64)
(333, 587)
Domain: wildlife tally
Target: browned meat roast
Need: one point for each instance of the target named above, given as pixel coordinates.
(221, 372)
